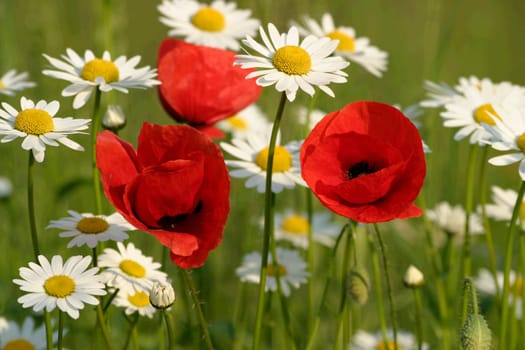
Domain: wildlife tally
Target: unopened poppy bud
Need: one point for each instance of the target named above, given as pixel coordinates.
(358, 285)
(475, 333)
(114, 118)
(413, 277)
(162, 295)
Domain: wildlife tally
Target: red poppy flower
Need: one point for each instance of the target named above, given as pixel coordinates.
(365, 162)
(200, 85)
(174, 186)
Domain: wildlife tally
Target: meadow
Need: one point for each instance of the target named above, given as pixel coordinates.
(433, 40)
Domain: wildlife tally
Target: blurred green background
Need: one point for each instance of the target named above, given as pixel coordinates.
(425, 39)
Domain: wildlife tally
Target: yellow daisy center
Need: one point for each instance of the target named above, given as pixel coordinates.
(237, 123)
(92, 225)
(18, 344)
(139, 299)
(272, 270)
(295, 224)
(485, 114)
(391, 345)
(100, 68)
(346, 42)
(132, 268)
(282, 159)
(292, 60)
(2, 85)
(209, 19)
(521, 142)
(34, 122)
(517, 287)
(59, 286)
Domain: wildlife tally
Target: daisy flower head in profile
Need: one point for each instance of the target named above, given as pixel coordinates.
(127, 268)
(26, 336)
(503, 206)
(134, 301)
(11, 82)
(355, 49)
(90, 229)
(292, 65)
(89, 72)
(439, 94)
(245, 122)
(293, 227)
(476, 106)
(67, 285)
(451, 219)
(252, 154)
(485, 284)
(37, 125)
(290, 267)
(508, 132)
(219, 24)
(363, 340)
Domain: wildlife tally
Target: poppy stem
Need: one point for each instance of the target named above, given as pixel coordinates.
(197, 304)
(95, 122)
(268, 224)
(388, 285)
(511, 237)
(379, 291)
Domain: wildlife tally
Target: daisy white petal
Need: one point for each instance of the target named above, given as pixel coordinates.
(11, 82)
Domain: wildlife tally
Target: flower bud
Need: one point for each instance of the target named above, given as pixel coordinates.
(357, 284)
(475, 333)
(114, 118)
(162, 295)
(413, 277)
(6, 188)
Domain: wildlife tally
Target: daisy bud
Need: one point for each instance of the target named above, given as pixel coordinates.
(162, 295)
(357, 285)
(475, 333)
(413, 277)
(114, 118)
(6, 188)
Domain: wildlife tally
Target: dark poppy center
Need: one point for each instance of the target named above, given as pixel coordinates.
(359, 169)
(169, 222)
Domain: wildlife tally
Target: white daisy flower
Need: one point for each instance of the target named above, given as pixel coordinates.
(245, 122)
(485, 284)
(38, 126)
(508, 131)
(134, 301)
(67, 286)
(451, 219)
(293, 227)
(90, 229)
(219, 24)
(290, 266)
(90, 72)
(291, 65)
(253, 155)
(504, 201)
(11, 82)
(363, 340)
(477, 105)
(356, 49)
(439, 94)
(412, 112)
(128, 268)
(13, 336)
(6, 187)
(315, 116)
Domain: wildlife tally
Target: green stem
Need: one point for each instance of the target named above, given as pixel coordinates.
(268, 224)
(196, 303)
(419, 321)
(31, 205)
(310, 257)
(133, 324)
(486, 223)
(508, 262)
(343, 305)
(331, 269)
(521, 290)
(469, 200)
(60, 329)
(49, 330)
(95, 123)
(103, 327)
(108, 302)
(388, 285)
(379, 290)
(170, 328)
